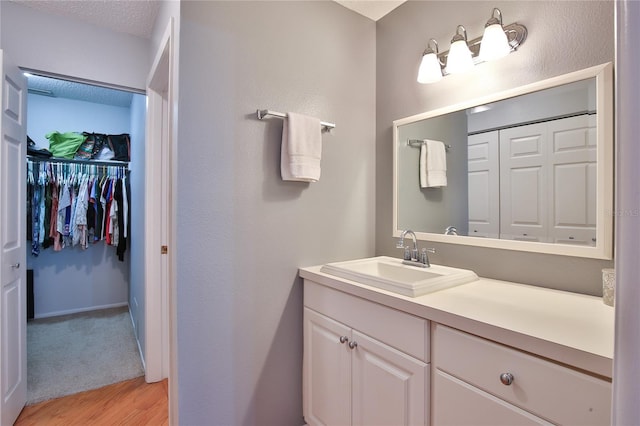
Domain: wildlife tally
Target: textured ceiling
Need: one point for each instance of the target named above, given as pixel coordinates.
(56, 88)
(131, 16)
(372, 9)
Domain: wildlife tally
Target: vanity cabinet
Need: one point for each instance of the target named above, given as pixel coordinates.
(476, 381)
(487, 352)
(361, 365)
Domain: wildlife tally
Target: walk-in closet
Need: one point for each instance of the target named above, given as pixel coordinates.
(85, 164)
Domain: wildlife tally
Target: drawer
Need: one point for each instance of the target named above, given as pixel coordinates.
(546, 389)
(458, 403)
(403, 331)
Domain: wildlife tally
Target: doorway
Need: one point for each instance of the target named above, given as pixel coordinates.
(91, 292)
(158, 316)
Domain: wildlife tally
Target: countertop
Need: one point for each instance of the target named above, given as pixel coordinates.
(573, 329)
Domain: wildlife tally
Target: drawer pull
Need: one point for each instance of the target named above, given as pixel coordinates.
(506, 378)
(353, 344)
(344, 339)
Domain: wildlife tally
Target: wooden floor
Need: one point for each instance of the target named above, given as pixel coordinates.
(133, 402)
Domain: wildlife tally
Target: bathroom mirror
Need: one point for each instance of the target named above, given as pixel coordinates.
(528, 169)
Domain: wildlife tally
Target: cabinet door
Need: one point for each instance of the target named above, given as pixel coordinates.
(327, 371)
(389, 387)
(458, 403)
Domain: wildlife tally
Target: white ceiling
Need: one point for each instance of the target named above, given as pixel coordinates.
(56, 88)
(372, 9)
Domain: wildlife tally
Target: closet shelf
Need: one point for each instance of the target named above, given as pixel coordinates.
(35, 159)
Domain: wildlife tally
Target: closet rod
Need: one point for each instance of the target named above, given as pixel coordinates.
(262, 113)
(85, 162)
(419, 142)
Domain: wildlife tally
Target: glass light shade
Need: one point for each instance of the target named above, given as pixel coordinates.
(459, 59)
(494, 43)
(429, 71)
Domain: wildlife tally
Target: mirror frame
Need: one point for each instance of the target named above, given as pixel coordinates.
(604, 169)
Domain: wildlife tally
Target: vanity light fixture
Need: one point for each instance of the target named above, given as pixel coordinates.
(494, 43)
(430, 68)
(460, 57)
(497, 42)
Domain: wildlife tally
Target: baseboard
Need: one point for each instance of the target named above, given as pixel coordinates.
(144, 365)
(79, 310)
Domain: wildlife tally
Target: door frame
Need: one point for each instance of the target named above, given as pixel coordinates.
(160, 312)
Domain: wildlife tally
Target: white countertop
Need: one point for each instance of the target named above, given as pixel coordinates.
(570, 328)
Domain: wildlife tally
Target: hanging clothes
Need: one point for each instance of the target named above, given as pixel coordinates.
(76, 204)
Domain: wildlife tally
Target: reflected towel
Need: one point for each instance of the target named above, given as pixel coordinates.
(433, 164)
(301, 148)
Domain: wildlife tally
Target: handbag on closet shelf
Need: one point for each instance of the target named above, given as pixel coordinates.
(99, 141)
(85, 150)
(120, 146)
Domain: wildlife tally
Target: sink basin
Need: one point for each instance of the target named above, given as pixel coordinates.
(391, 274)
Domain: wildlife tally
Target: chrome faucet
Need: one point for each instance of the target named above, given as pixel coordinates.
(451, 230)
(411, 257)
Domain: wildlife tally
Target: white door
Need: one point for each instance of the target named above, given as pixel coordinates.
(326, 391)
(484, 185)
(13, 317)
(523, 183)
(388, 386)
(572, 154)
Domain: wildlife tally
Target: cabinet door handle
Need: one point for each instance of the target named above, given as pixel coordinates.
(506, 378)
(344, 339)
(353, 344)
(15, 266)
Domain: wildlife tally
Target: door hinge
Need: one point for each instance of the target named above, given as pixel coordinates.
(164, 249)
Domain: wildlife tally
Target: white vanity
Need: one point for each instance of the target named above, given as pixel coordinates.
(484, 352)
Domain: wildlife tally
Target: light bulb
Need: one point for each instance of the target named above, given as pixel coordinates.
(459, 59)
(430, 70)
(494, 43)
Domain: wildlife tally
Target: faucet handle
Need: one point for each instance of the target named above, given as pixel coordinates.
(424, 257)
(407, 253)
(400, 244)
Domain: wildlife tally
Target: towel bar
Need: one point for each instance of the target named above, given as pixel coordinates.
(262, 113)
(418, 142)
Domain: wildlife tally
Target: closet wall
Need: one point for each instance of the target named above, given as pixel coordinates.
(75, 280)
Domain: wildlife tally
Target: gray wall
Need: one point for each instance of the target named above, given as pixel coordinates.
(563, 37)
(59, 45)
(433, 209)
(243, 232)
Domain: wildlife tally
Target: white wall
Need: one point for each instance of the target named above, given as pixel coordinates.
(46, 114)
(243, 232)
(73, 279)
(626, 369)
(135, 243)
(563, 37)
(66, 47)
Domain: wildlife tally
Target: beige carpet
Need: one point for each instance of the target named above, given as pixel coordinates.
(74, 353)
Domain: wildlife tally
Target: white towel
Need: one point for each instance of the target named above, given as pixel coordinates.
(301, 148)
(433, 164)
